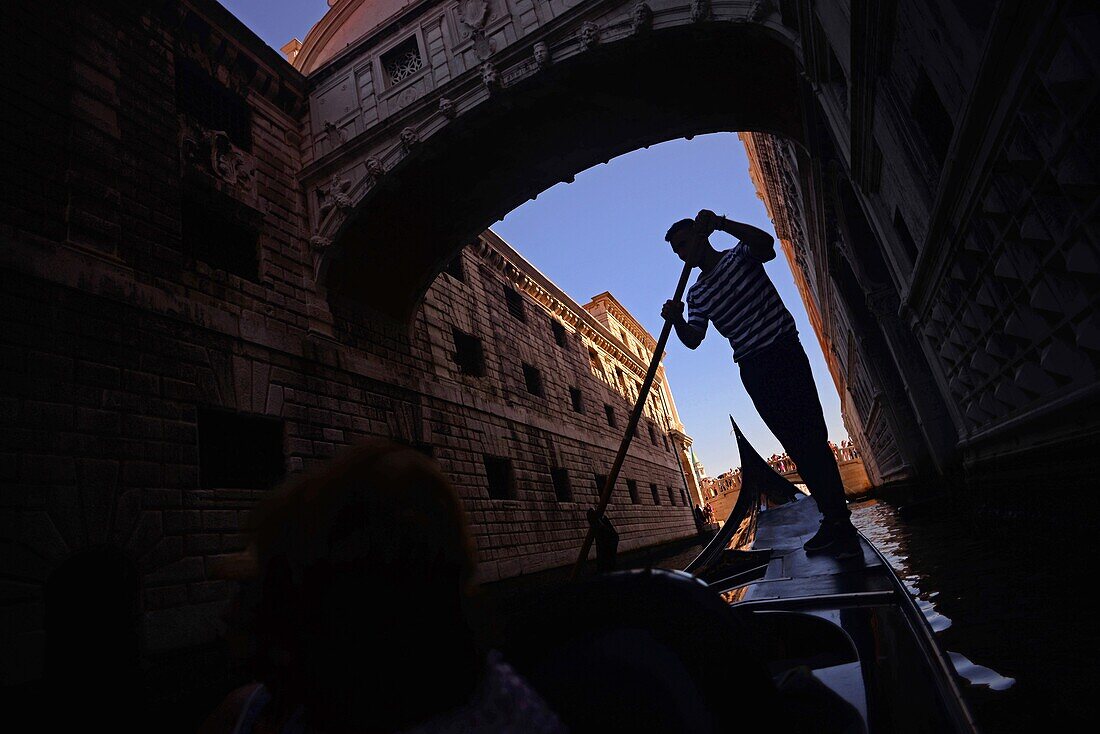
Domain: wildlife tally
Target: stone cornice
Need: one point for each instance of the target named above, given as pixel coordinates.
(624, 317)
(524, 275)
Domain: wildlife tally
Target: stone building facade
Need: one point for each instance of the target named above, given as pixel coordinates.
(169, 357)
(208, 253)
(938, 227)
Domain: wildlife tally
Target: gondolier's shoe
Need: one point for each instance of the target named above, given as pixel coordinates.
(838, 538)
(845, 543)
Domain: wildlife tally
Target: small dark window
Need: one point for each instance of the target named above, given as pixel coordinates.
(652, 434)
(664, 438)
(402, 61)
(238, 451)
(515, 303)
(211, 104)
(212, 234)
(671, 497)
(684, 496)
(632, 488)
(932, 118)
(655, 494)
(469, 356)
(904, 236)
(559, 332)
(610, 415)
(502, 483)
(577, 399)
(454, 268)
(601, 480)
(562, 487)
(533, 379)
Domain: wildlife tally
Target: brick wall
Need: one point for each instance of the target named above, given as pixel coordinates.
(119, 336)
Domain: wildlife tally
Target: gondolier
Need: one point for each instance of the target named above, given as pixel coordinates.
(734, 292)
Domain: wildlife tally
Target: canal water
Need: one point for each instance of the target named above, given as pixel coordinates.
(1009, 607)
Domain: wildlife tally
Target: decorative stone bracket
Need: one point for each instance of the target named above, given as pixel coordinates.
(211, 152)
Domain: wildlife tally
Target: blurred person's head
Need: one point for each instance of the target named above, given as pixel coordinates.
(364, 568)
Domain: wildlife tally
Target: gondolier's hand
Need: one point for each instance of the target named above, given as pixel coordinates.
(673, 311)
(706, 222)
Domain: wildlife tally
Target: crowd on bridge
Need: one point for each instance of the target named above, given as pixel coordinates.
(845, 451)
(730, 481)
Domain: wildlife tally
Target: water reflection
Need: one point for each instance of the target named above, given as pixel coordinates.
(879, 522)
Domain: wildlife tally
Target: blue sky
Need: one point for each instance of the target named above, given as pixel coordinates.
(605, 232)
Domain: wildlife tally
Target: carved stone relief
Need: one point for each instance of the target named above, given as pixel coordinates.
(211, 152)
(475, 14)
(589, 35)
(641, 18)
(542, 54)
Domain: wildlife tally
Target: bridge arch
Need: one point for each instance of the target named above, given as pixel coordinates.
(647, 88)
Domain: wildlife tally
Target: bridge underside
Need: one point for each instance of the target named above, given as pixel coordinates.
(574, 115)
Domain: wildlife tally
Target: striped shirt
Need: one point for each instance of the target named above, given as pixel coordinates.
(741, 300)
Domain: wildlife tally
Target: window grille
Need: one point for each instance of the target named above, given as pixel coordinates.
(469, 355)
(212, 104)
(562, 487)
(454, 268)
(559, 332)
(239, 451)
(533, 379)
(211, 234)
(577, 399)
(502, 483)
(403, 61)
(515, 303)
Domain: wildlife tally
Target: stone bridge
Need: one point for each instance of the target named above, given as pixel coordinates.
(447, 115)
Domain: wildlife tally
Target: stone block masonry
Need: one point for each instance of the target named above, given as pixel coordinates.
(167, 357)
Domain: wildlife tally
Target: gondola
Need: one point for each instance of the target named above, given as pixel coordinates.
(752, 635)
(852, 623)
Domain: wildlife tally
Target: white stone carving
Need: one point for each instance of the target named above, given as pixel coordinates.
(542, 54)
(589, 35)
(700, 10)
(641, 18)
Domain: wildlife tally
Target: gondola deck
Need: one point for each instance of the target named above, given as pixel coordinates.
(851, 622)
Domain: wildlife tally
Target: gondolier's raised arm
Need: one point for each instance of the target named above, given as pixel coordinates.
(760, 243)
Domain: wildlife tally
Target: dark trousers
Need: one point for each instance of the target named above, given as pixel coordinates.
(782, 388)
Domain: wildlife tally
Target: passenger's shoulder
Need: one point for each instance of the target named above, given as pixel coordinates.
(224, 717)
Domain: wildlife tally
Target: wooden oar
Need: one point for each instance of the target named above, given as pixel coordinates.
(635, 416)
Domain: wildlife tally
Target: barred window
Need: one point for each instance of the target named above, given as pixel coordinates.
(239, 451)
(559, 332)
(502, 482)
(601, 480)
(403, 61)
(212, 104)
(577, 399)
(515, 303)
(533, 379)
(454, 268)
(469, 356)
(213, 231)
(562, 487)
